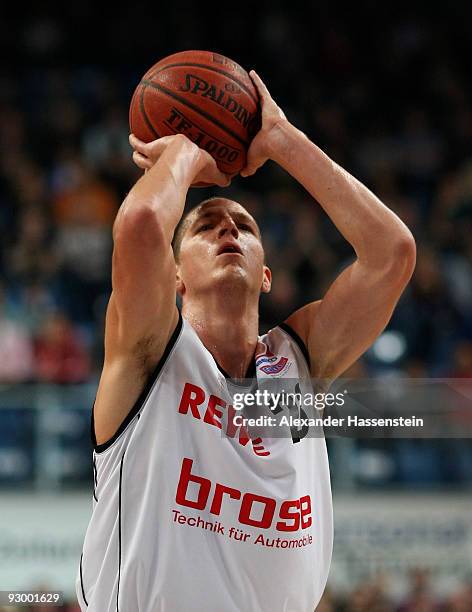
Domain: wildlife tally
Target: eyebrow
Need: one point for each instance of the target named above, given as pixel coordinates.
(239, 216)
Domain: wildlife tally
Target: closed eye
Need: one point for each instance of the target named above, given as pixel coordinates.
(245, 227)
(204, 227)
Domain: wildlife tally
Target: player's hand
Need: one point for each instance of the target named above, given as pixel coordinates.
(209, 174)
(268, 137)
(145, 155)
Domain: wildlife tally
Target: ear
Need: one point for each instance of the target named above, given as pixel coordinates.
(179, 283)
(266, 280)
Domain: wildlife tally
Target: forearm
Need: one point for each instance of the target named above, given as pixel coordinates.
(161, 192)
(371, 228)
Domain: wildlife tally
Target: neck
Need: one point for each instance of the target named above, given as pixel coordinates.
(228, 326)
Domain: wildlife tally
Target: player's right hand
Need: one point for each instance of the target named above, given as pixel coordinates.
(145, 155)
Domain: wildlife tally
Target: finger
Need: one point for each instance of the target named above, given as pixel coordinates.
(248, 171)
(225, 181)
(251, 168)
(217, 177)
(212, 171)
(141, 160)
(138, 145)
(155, 146)
(142, 147)
(252, 164)
(259, 83)
(221, 179)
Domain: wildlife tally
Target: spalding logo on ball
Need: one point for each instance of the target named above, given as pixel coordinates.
(205, 96)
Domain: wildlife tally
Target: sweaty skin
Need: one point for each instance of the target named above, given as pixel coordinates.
(220, 291)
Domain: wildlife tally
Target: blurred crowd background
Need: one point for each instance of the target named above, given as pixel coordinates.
(389, 99)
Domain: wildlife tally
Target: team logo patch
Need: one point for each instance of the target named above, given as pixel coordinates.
(276, 368)
(269, 363)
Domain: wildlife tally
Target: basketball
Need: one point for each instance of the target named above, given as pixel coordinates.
(204, 95)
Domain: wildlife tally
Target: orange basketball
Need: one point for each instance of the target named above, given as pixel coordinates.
(205, 96)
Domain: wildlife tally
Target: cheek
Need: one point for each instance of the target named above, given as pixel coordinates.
(257, 255)
(194, 258)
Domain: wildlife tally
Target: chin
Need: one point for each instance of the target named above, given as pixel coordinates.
(233, 275)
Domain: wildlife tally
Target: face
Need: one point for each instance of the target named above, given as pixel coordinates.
(222, 249)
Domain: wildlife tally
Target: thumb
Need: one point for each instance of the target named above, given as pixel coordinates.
(220, 178)
(252, 164)
(223, 180)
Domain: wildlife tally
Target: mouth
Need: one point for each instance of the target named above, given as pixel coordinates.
(229, 248)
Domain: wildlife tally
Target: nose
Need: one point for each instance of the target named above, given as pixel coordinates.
(228, 226)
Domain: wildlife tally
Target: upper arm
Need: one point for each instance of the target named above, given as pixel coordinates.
(338, 329)
(140, 319)
(142, 306)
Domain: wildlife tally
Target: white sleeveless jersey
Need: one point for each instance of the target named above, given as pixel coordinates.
(190, 514)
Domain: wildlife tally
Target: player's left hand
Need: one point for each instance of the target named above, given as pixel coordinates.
(268, 137)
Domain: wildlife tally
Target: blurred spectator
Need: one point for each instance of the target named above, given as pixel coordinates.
(84, 208)
(391, 104)
(461, 601)
(32, 303)
(420, 597)
(106, 148)
(370, 596)
(327, 603)
(30, 258)
(427, 314)
(16, 347)
(462, 367)
(61, 354)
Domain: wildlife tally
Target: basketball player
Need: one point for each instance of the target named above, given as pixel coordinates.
(190, 513)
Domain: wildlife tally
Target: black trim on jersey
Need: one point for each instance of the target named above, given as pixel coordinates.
(119, 533)
(95, 479)
(251, 372)
(296, 338)
(82, 581)
(141, 399)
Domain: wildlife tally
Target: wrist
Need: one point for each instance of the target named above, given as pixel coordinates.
(284, 138)
(184, 147)
(187, 156)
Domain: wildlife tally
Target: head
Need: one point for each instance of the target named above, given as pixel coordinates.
(218, 247)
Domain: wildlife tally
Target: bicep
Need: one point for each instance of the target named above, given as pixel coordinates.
(143, 282)
(140, 319)
(339, 328)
